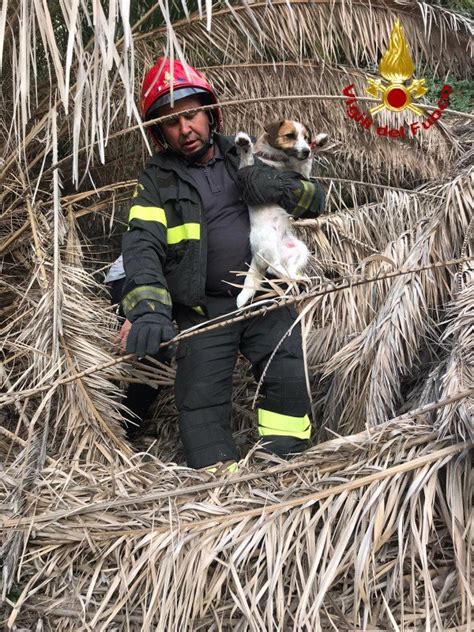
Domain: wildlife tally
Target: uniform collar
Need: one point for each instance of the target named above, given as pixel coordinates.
(216, 157)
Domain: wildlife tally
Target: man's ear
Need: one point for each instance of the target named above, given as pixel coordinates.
(273, 128)
(319, 140)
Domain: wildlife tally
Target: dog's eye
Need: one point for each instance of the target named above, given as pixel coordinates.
(290, 136)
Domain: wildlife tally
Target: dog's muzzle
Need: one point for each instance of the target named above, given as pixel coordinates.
(300, 154)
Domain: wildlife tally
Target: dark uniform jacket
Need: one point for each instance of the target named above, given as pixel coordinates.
(165, 247)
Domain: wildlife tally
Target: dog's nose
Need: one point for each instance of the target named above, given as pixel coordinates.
(305, 153)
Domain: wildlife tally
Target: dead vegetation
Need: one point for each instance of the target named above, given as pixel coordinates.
(368, 529)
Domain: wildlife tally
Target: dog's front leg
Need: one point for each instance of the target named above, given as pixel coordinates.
(252, 283)
(244, 146)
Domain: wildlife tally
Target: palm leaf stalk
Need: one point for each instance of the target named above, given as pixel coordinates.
(368, 529)
(299, 552)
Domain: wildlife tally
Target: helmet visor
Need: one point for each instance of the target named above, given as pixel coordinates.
(180, 93)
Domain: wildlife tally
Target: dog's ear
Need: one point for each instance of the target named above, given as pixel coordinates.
(319, 140)
(272, 129)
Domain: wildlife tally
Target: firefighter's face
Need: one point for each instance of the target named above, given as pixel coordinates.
(185, 133)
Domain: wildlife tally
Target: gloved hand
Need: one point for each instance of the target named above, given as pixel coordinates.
(303, 206)
(262, 184)
(148, 332)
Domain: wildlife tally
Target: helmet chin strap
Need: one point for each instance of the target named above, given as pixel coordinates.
(159, 136)
(200, 153)
(197, 155)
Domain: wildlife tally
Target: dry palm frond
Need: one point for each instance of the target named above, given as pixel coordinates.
(327, 31)
(37, 349)
(84, 418)
(459, 366)
(362, 531)
(371, 240)
(404, 318)
(300, 552)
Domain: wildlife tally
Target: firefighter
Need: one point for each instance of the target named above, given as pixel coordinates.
(188, 230)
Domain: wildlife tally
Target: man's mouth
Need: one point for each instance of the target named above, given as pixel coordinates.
(191, 144)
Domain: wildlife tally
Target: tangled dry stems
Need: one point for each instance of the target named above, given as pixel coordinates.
(368, 529)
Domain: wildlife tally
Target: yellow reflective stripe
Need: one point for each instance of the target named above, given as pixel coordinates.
(305, 199)
(199, 310)
(145, 293)
(232, 467)
(155, 214)
(270, 423)
(185, 231)
(148, 214)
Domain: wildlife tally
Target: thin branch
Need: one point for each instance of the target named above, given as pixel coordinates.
(270, 305)
(401, 468)
(239, 102)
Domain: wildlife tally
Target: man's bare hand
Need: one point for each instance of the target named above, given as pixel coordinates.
(120, 340)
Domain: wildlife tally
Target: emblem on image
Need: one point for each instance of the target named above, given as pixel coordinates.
(396, 67)
(394, 93)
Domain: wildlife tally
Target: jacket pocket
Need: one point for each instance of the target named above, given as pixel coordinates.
(184, 276)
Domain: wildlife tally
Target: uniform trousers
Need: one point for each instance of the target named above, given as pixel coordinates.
(203, 386)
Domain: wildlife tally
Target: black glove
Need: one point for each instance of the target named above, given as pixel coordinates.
(307, 206)
(262, 184)
(148, 332)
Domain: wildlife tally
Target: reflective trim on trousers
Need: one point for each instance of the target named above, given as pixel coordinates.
(270, 423)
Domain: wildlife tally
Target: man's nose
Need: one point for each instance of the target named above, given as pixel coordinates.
(184, 127)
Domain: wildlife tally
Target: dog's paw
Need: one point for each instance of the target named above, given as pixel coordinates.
(319, 141)
(243, 141)
(243, 298)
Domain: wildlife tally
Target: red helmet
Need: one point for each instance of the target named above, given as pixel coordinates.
(186, 81)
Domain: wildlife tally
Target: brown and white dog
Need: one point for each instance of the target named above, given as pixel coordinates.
(286, 146)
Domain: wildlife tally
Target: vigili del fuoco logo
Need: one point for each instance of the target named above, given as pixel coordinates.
(396, 67)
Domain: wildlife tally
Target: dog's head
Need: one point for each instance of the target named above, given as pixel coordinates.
(293, 138)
